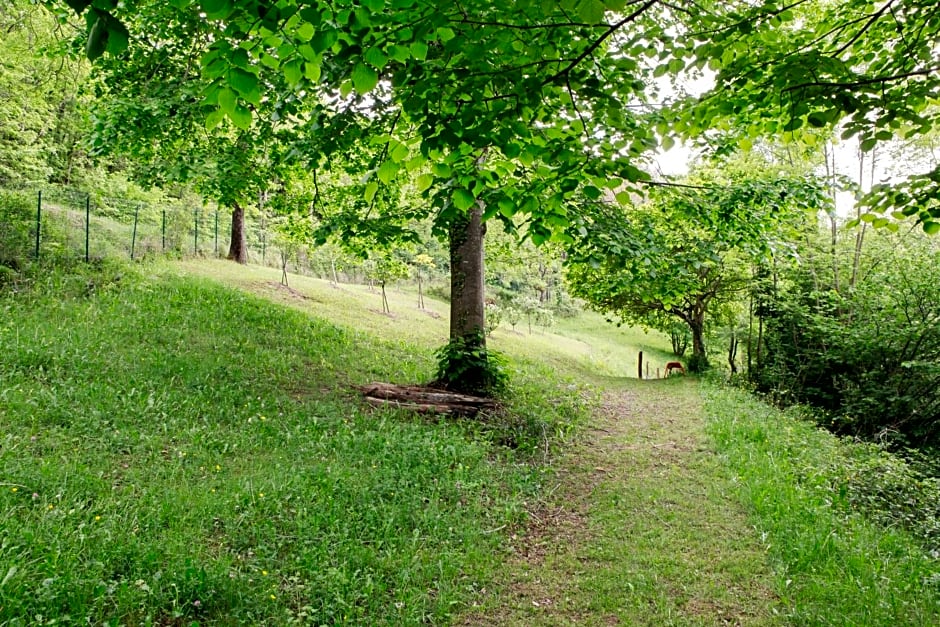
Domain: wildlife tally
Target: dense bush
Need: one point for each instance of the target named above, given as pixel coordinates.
(868, 356)
(17, 228)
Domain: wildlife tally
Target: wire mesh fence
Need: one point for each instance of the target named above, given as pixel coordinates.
(72, 223)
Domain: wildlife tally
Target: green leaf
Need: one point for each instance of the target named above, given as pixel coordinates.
(441, 170)
(868, 144)
(97, 38)
(292, 71)
(419, 50)
(374, 5)
(214, 119)
(217, 9)
(399, 152)
(324, 40)
(307, 52)
(632, 173)
(388, 171)
(118, 36)
(463, 199)
(364, 78)
(399, 53)
(507, 208)
(312, 71)
(376, 57)
(78, 6)
(931, 228)
(227, 100)
(305, 32)
(244, 83)
(241, 117)
(817, 119)
(424, 182)
(591, 11)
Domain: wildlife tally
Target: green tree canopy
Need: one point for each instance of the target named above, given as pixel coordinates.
(682, 251)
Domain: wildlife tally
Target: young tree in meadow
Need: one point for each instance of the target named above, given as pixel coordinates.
(684, 251)
(423, 264)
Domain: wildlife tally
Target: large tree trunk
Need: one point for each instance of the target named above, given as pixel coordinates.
(467, 307)
(465, 367)
(238, 249)
(699, 361)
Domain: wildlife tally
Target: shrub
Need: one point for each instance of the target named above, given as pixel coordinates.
(869, 358)
(697, 363)
(465, 365)
(17, 227)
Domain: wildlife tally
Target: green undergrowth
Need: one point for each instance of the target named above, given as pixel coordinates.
(810, 495)
(173, 451)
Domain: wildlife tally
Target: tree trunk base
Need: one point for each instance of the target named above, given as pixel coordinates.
(425, 400)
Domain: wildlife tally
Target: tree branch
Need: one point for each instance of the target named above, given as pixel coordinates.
(868, 81)
(613, 28)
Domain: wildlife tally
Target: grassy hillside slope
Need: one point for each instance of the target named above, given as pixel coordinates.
(176, 450)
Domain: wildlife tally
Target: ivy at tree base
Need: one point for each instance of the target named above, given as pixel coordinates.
(465, 365)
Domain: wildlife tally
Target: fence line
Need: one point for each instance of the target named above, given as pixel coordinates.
(122, 227)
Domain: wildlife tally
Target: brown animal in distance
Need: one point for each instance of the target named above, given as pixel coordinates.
(672, 366)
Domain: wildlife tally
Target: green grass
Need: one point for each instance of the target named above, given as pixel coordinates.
(176, 448)
(641, 528)
(832, 566)
(584, 347)
(173, 450)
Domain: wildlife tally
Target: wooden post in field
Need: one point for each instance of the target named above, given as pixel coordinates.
(87, 223)
(657, 373)
(639, 370)
(647, 370)
(134, 234)
(38, 221)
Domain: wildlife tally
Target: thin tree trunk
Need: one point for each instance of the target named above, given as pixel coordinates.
(860, 236)
(420, 292)
(833, 225)
(750, 330)
(238, 250)
(467, 308)
(733, 352)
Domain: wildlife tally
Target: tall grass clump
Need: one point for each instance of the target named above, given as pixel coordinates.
(835, 563)
(174, 452)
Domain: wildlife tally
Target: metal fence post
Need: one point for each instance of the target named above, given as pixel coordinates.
(164, 229)
(87, 223)
(38, 221)
(195, 232)
(134, 233)
(216, 232)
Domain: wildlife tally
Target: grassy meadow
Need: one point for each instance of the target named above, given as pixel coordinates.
(181, 443)
(174, 450)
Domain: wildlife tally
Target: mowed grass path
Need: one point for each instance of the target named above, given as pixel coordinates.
(643, 527)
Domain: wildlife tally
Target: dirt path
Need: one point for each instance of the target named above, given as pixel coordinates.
(641, 528)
